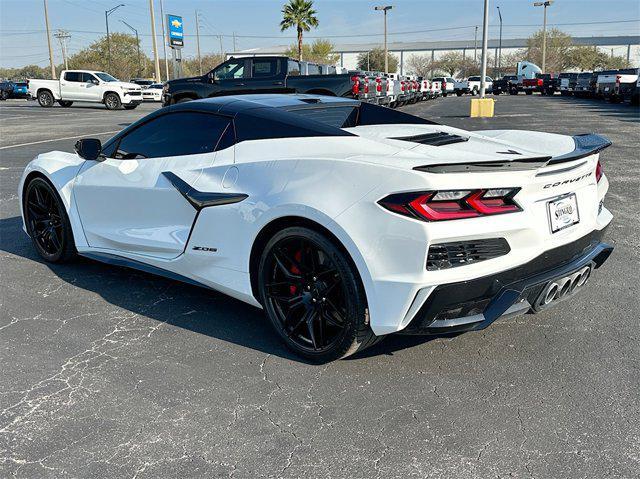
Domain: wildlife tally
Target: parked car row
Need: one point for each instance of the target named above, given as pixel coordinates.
(393, 90)
(612, 85)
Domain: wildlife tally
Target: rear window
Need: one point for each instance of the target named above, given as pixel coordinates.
(73, 76)
(349, 116)
(585, 75)
(628, 71)
(474, 78)
(264, 68)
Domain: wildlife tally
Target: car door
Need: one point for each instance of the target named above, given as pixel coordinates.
(231, 76)
(267, 75)
(72, 86)
(128, 202)
(92, 88)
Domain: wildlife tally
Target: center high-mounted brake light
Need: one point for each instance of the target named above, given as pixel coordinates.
(452, 204)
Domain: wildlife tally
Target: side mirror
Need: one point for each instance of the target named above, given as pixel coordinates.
(89, 148)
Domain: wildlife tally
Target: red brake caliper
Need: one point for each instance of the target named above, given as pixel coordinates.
(294, 269)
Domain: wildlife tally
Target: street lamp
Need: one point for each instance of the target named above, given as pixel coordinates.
(544, 32)
(485, 41)
(106, 19)
(500, 45)
(386, 53)
(137, 43)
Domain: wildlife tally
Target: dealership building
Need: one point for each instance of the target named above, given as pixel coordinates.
(625, 46)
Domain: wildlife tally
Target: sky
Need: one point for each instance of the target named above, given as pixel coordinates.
(256, 23)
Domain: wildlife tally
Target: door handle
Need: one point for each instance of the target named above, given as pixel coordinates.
(278, 83)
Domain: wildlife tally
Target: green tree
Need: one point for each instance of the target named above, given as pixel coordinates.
(124, 57)
(190, 66)
(373, 60)
(320, 51)
(298, 14)
(29, 71)
(558, 54)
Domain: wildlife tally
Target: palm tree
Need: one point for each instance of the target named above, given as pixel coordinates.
(299, 14)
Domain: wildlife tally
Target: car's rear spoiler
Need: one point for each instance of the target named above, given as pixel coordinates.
(585, 145)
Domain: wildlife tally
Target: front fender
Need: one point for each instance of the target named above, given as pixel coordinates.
(60, 169)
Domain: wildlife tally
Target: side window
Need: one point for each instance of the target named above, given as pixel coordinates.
(73, 77)
(173, 134)
(88, 77)
(230, 70)
(294, 68)
(264, 68)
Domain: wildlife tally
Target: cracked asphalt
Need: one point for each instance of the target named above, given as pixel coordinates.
(108, 372)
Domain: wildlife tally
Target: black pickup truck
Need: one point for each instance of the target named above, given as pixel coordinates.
(239, 76)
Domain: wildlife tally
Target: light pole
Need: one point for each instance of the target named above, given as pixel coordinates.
(544, 32)
(485, 41)
(106, 20)
(500, 44)
(386, 52)
(137, 43)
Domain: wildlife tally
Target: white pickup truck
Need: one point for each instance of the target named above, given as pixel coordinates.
(472, 85)
(614, 84)
(86, 86)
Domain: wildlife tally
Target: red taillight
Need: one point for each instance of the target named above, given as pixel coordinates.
(402, 85)
(599, 171)
(355, 88)
(444, 85)
(618, 77)
(452, 205)
(378, 84)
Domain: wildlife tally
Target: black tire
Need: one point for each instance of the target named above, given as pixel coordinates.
(474, 92)
(112, 101)
(45, 99)
(528, 92)
(131, 107)
(444, 94)
(47, 222)
(513, 91)
(313, 296)
(4, 95)
(459, 92)
(65, 103)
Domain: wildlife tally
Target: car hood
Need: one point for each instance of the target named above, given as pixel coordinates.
(126, 85)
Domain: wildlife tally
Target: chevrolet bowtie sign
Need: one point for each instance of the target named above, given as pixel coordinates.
(176, 35)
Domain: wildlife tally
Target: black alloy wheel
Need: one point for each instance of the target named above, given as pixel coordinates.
(47, 222)
(313, 296)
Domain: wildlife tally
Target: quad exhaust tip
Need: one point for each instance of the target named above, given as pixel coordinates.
(562, 287)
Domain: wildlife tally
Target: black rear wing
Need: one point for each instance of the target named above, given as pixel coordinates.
(586, 144)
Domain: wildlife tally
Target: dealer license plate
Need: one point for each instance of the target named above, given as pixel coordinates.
(563, 212)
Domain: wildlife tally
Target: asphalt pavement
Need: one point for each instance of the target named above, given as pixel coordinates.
(108, 372)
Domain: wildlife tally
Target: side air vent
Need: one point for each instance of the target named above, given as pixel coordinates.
(438, 138)
(460, 253)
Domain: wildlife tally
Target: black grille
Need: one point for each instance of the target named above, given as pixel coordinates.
(438, 138)
(460, 253)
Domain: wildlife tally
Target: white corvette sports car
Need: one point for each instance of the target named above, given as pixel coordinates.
(344, 220)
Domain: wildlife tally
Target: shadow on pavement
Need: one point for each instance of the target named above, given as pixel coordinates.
(196, 309)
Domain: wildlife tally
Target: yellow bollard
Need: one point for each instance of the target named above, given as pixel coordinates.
(482, 107)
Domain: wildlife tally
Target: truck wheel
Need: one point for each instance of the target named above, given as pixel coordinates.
(528, 92)
(444, 94)
(45, 98)
(131, 107)
(474, 92)
(65, 103)
(4, 95)
(513, 91)
(112, 101)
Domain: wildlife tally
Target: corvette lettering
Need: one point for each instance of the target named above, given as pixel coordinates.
(565, 182)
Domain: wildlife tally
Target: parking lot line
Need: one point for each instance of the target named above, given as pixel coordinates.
(57, 139)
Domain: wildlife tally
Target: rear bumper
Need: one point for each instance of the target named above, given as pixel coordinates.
(475, 304)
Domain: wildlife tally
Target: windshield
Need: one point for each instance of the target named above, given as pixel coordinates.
(105, 77)
(156, 86)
